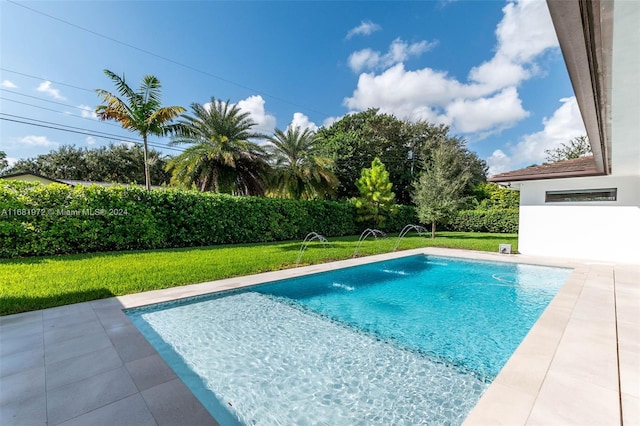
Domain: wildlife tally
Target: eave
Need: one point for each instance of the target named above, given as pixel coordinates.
(577, 167)
(585, 31)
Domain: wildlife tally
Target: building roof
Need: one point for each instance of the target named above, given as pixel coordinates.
(105, 184)
(73, 182)
(70, 182)
(23, 174)
(583, 166)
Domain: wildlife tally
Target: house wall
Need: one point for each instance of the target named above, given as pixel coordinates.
(603, 231)
(625, 88)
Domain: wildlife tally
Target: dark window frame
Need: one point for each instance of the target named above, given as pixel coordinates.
(581, 195)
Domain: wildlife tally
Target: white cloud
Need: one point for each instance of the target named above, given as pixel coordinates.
(8, 85)
(87, 112)
(302, 121)
(327, 122)
(431, 95)
(363, 59)
(365, 28)
(399, 51)
(564, 125)
(499, 162)
(397, 87)
(254, 105)
(11, 161)
(45, 87)
(498, 73)
(125, 143)
(407, 94)
(486, 103)
(473, 115)
(525, 31)
(90, 140)
(37, 141)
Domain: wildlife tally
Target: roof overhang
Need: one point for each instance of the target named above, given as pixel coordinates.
(545, 176)
(16, 176)
(585, 31)
(576, 167)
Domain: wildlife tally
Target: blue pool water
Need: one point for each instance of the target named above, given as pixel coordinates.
(415, 340)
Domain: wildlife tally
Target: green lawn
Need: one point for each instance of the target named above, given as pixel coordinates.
(43, 282)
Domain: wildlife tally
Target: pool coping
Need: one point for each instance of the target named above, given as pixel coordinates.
(577, 365)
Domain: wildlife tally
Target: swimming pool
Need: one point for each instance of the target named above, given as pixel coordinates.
(413, 340)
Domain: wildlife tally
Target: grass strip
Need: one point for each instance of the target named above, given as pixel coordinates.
(29, 284)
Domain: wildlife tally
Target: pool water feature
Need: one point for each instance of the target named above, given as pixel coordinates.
(415, 340)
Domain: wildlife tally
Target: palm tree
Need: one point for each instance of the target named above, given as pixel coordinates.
(299, 172)
(138, 111)
(221, 156)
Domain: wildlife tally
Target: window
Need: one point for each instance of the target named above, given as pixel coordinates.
(575, 195)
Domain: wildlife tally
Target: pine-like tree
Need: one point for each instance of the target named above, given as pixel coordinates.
(376, 200)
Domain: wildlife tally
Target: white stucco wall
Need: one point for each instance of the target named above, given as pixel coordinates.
(600, 231)
(625, 89)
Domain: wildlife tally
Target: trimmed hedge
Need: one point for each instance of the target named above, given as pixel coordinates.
(403, 215)
(58, 219)
(503, 221)
(54, 219)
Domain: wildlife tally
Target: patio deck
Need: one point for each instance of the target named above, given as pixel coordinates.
(86, 364)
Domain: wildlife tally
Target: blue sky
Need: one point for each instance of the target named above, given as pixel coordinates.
(492, 70)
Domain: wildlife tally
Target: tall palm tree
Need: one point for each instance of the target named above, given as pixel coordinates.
(220, 156)
(138, 111)
(299, 172)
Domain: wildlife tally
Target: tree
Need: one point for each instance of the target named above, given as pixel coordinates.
(67, 162)
(139, 111)
(439, 190)
(298, 171)
(114, 163)
(575, 148)
(4, 164)
(220, 156)
(356, 139)
(465, 160)
(121, 163)
(376, 199)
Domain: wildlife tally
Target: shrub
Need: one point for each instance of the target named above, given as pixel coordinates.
(58, 219)
(402, 216)
(496, 221)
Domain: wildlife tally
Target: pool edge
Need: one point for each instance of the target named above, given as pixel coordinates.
(537, 385)
(566, 369)
(565, 391)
